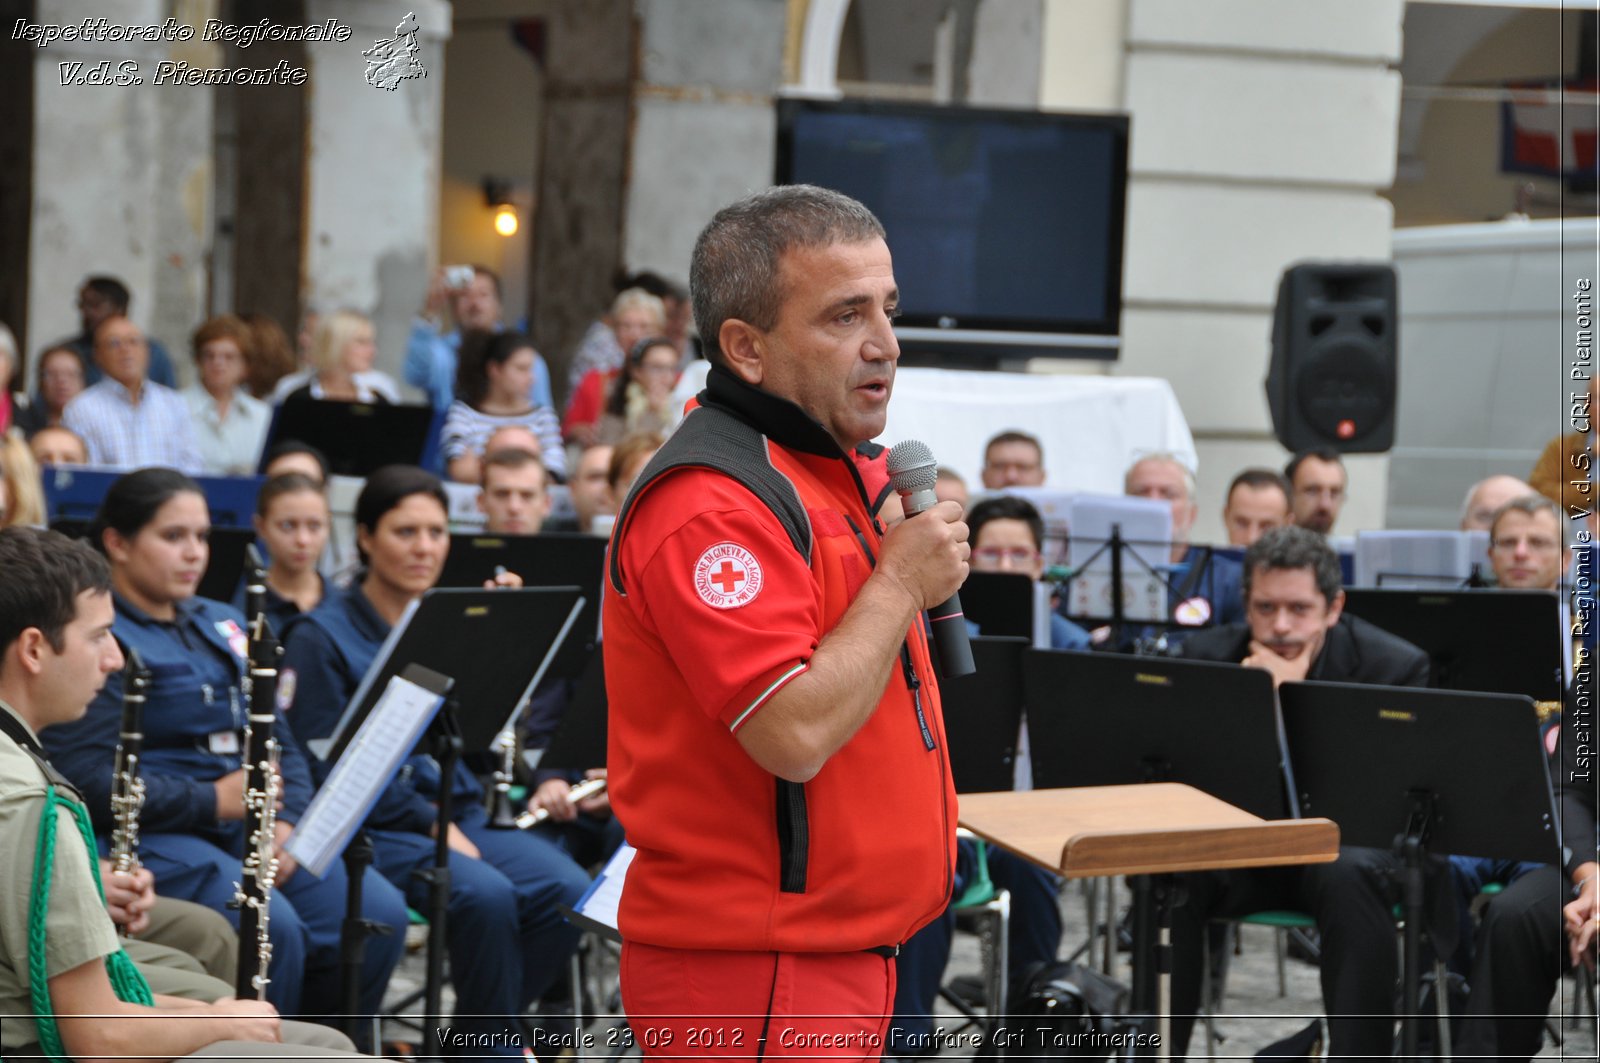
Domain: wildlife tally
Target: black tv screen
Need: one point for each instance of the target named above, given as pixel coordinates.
(1006, 222)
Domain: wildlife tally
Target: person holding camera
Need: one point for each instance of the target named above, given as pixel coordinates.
(472, 294)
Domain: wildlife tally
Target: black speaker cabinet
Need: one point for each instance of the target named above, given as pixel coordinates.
(1335, 357)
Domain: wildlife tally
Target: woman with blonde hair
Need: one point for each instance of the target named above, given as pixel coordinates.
(21, 492)
(343, 349)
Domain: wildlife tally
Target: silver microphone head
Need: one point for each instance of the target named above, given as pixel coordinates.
(912, 467)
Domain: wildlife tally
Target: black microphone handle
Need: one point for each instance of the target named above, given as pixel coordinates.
(949, 627)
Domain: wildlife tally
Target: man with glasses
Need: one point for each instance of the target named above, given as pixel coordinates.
(1013, 459)
(127, 420)
(99, 300)
(1317, 482)
(1203, 588)
(1008, 536)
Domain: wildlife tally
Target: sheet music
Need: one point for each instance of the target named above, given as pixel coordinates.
(369, 762)
(1146, 532)
(604, 895)
(321, 746)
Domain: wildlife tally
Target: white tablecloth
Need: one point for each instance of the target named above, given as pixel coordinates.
(1092, 428)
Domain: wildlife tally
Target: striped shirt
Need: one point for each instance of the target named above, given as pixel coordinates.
(118, 431)
(467, 430)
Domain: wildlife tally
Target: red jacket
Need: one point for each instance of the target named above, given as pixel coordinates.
(712, 607)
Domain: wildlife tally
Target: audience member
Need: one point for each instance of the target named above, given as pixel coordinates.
(1569, 459)
(600, 348)
(21, 492)
(1296, 629)
(1525, 544)
(1317, 484)
(641, 397)
(101, 299)
(950, 487)
(431, 355)
(291, 455)
(272, 355)
(61, 380)
(492, 386)
(229, 425)
(590, 492)
(1013, 459)
(126, 420)
(1257, 501)
(635, 315)
(513, 497)
(1488, 495)
(340, 364)
(58, 446)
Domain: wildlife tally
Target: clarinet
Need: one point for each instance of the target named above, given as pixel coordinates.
(253, 893)
(127, 787)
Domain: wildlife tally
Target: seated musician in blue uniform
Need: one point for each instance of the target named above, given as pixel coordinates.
(508, 943)
(153, 527)
(292, 522)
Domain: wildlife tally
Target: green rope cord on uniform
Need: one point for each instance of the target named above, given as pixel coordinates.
(126, 980)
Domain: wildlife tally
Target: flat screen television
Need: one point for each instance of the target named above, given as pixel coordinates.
(1006, 225)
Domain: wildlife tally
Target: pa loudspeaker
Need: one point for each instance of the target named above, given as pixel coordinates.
(1335, 357)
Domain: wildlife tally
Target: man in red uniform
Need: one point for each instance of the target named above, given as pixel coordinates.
(776, 744)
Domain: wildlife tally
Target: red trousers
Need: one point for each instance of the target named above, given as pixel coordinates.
(707, 1004)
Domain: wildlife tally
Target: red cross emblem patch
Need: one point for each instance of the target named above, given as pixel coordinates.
(727, 576)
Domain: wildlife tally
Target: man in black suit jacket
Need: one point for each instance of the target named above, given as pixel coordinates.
(1295, 628)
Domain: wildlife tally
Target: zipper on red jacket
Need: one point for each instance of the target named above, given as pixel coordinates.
(794, 836)
(914, 685)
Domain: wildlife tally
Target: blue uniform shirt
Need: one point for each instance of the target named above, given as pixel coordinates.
(326, 653)
(193, 718)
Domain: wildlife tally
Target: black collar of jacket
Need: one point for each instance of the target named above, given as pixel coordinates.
(776, 418)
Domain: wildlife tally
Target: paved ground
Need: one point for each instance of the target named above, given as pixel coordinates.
(1254, 1013)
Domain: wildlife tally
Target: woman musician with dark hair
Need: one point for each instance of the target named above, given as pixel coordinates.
(508, 944)
(153, 527)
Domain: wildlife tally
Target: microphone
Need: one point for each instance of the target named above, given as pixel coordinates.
(913, 472)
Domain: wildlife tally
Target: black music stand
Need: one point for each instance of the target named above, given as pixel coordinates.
(455, 632)
(1494, 641)
(549, 559)
(356, 437)
(1098, 719)
(983, 713)
(1107, 719)
(1000, 603)
(1199, 579)
(1440, 771)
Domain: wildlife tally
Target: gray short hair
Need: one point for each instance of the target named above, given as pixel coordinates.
(1531, 505)
(1169, 458)
(733, 274)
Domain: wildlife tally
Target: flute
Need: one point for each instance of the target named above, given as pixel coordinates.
(586, 788)
(127, 787)
(253, 893)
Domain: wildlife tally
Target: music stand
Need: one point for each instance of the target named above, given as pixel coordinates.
(983, 713)
(1108, 719)
(1440, 771)
(1492, 641)
(579, 741)
(1000, 603)
(356, 437)
(549, 559)
(1154, 719)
